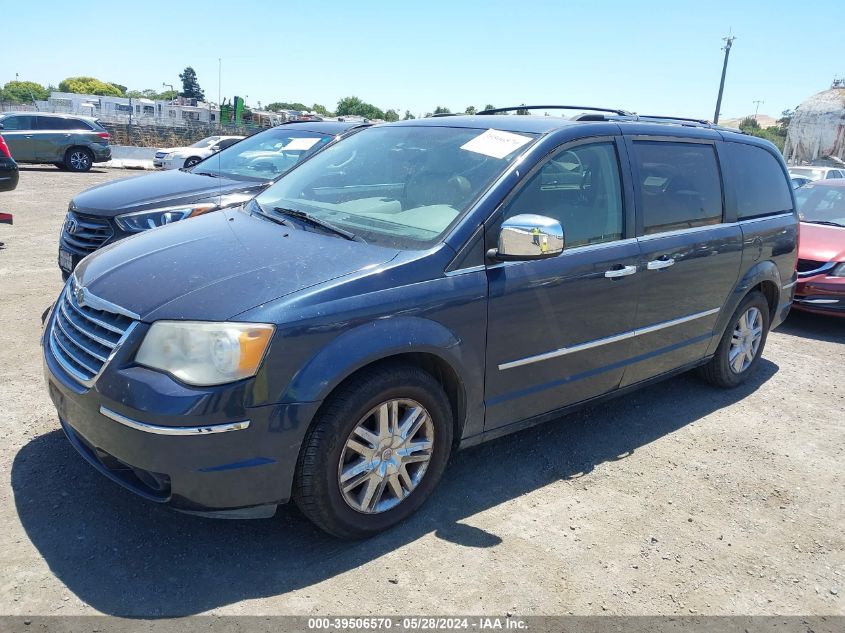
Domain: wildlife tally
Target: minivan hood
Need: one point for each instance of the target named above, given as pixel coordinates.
(215, 266)
(821, 243)
(161, 189)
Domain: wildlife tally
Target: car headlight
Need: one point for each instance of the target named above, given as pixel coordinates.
(144, 220)
(838, 270)
(202, 353)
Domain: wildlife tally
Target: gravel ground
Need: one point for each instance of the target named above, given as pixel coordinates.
(680, 499)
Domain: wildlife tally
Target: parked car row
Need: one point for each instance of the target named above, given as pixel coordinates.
(397, 292)
(110, 212)
(184, 157)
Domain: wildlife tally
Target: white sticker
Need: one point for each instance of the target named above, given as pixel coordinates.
(496, 143)
(301, 144)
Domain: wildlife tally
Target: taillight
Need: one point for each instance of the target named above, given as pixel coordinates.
(104, 135)
(4, 149)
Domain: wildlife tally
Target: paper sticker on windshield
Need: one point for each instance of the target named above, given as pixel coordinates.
(496, 143)
(301, 144)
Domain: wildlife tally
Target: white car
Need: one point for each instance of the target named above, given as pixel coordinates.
(816, 173)
(178, 157)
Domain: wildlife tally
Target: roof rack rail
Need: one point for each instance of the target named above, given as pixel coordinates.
(679, 119)
(445, 114)
(555, 107)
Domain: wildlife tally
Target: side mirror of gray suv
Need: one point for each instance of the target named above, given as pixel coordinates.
(528, 236)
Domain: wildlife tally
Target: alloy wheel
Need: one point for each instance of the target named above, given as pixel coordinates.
(80, 161)
(386, 456)
(745, 341)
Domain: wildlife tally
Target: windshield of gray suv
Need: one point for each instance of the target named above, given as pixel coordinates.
(396, 186)
(821, 204)
(264, 156)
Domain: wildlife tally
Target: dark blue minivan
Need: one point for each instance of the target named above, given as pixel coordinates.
(416, 288)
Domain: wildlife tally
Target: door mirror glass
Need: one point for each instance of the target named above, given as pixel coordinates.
(529, 236)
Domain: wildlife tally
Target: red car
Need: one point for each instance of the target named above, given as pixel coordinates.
(821, 249)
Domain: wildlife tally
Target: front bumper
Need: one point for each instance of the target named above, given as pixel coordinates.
(150, 435)
(821, 294)
(8, 174)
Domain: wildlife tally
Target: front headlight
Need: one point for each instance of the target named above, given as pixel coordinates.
(202, 353)
(144, 220)
(838, 270)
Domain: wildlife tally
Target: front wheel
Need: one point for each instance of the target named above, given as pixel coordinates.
(375, 453)
(742, 344)
(190, 162)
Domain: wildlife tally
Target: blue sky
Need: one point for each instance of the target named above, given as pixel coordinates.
(653, 57)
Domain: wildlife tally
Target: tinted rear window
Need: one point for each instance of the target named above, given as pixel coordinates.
(679, 185)
(61, 123)
(760, 185)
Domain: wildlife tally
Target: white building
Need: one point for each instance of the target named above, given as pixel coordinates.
(126, 109)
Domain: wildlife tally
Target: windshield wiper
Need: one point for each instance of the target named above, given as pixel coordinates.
(824, 222)
(315, 221)
(204, 173)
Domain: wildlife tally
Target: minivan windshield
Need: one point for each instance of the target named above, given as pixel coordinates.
(821, 204)
(399, 186)
(264, 156)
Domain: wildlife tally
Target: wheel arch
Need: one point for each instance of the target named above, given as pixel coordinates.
(419, 342)
(765, 277)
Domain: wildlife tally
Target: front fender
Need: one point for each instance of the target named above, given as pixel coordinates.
(381, 339)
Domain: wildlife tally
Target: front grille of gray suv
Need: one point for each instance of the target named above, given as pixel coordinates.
(85, 233)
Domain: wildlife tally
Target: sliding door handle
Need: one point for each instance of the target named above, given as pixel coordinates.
(620, 272)
(658, 264)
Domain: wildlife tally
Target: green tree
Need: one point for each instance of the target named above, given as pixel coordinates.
(776, 134)
(148, 93)
(470, 110)
(408, 116)
(23, 92)
(120, 87)
(442, 110)
(489, 107)
(391, 115)
(190, 86)
(276, 106)
(321, 109)
(353, 106)
(89, 86)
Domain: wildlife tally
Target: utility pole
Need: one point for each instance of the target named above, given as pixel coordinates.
(729, 40)
(219, 81)
(757, 108)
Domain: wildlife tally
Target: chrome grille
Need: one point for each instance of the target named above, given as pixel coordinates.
(809, 267)
(84, 335)
(85, 232)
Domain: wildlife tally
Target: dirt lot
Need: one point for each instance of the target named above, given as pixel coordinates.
(681, 499)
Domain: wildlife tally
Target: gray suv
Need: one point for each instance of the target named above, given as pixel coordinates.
(68, 141)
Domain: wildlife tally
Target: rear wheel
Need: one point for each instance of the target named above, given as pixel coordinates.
(190, 162)
(375, 453)
(742, 344)
(79, 159)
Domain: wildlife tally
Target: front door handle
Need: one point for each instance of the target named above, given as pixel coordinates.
(659, 264)
(620, 272)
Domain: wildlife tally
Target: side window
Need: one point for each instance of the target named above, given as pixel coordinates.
(20, 122)
(759, 183)
(60, 123)
(679, 185)
(581, 189)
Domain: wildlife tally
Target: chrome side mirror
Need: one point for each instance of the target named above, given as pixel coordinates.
(528, 236)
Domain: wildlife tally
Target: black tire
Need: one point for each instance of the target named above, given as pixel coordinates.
(65, 275)
(190, 162)
(718, 370)
(79, 159)
(317, 489)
